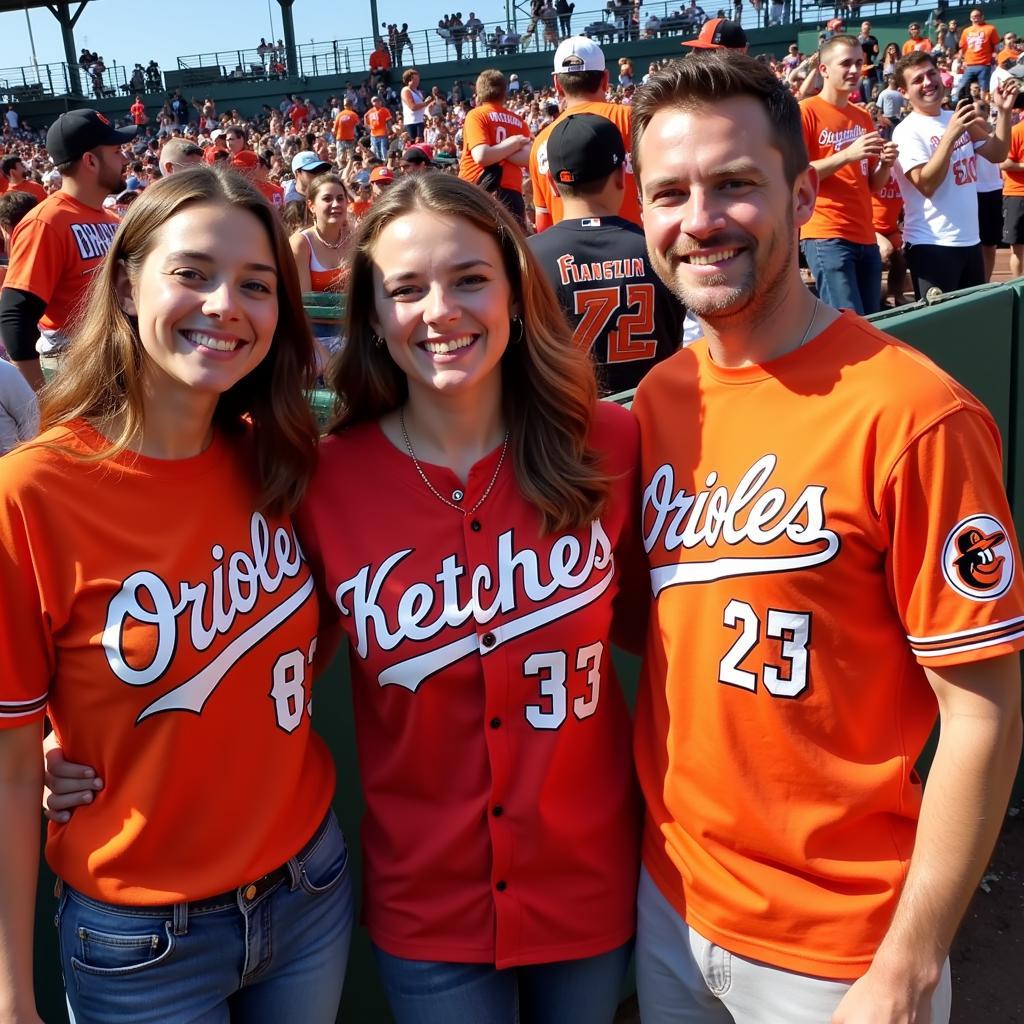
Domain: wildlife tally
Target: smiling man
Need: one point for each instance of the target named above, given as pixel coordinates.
(797, 462)
(852, 160)
(56, 248)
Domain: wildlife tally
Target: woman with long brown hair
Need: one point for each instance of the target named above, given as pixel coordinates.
(160, 611)
(468, 519)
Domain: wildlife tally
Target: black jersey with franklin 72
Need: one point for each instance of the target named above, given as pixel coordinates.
(619, 309)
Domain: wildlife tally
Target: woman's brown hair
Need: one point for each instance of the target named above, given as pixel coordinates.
(548, 388)
(102, 379)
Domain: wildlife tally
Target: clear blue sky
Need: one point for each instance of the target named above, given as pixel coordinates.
(126, 31)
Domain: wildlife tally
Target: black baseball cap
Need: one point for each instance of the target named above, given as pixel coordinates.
(583, 148)
(73, 134)
(718, 34)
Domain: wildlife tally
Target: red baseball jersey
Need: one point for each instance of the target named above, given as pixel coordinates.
(502, 820)
(168, 630)
(820, 530)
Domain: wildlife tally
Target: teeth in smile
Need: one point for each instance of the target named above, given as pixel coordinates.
(206, 341)
(440, 348)
(714, 257)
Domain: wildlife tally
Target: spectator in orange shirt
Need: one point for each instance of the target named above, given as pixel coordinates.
(376, 119)
(138, 111)
(1010, 52)
(18, 180)
(978, 44)
(852, 161)
(916, 40)
(380, 64)
(345, 125)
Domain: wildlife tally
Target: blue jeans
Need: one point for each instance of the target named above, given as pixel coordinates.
(848, 275)
(566, 992)
(379, 145)
(981, 72)
(277, 956)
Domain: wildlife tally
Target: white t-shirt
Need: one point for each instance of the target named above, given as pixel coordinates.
(990, 178)
(950, 216)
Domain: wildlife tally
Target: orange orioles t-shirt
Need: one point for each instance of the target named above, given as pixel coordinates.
(978, 43)
(345, 125)
(376, 119)
(54, 252)
(886, 207)
(168, 629)
(820, 530)
(843, 206)
(546, 201)
(487, 125)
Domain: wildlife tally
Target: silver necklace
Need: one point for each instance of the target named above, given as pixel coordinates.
(810, 324)
(323, 241)
(433, 490)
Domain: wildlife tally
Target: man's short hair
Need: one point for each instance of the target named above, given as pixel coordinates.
(706, 78)
(13, 207)
(8, 164)
(911, 60)
(834, 43)
(912, 26)
(490, 86)
(580, 83)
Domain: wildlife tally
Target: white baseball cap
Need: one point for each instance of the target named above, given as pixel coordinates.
(578, 53)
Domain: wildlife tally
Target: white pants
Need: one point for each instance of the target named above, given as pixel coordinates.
(682, 978)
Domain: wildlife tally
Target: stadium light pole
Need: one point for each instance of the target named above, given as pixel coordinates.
(373, 19)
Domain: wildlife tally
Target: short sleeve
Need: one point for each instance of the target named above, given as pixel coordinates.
(27, 658)
(37, 259)
(474, 133)
(954, 562)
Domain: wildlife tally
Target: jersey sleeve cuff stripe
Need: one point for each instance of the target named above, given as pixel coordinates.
(995, 641)
(21, 708)
(918, 641)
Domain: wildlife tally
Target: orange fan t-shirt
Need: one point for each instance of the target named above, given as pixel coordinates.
(819, 530)
(913, 45)
(54, 252)
(978, 44)
(886, 207)
(546, 201)
(376, 119)
(168, 630)
(359, 208)
(32, 188)
(1013, 181)
(843, 207)
(380, 60)
(487, 125)
(273, 192)
(345, 125)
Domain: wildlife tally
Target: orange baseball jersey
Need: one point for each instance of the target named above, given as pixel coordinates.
(913, 45)
(886, 207)
(1013, 181)
(978, 44)
(345, 125)
(502, 823)
(376, 120)
(33, 188)
(843, 207)
(55, 249)
(487, 125)
(820, 530)
(168, 630)
(546, 201)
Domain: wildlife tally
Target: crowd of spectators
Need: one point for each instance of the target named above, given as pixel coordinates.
(358, 133)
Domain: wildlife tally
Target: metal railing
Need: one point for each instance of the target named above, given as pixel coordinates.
(39, 81)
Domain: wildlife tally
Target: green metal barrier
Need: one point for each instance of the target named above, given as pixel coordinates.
(976, 336)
